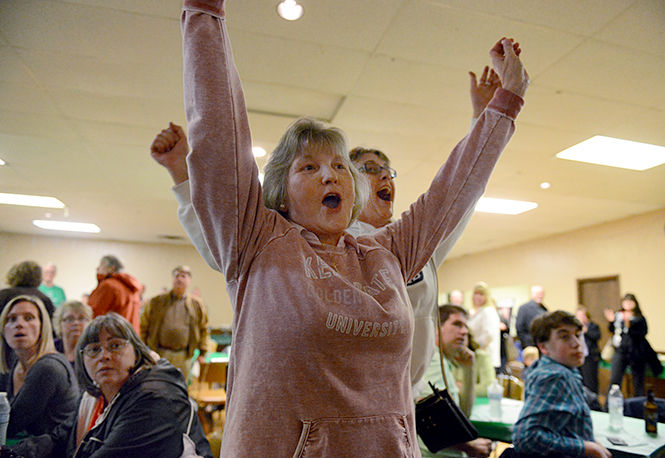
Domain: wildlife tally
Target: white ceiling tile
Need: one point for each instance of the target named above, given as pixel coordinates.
(608, 71)
(290, 101)
(641, 27)
(397, 80)
(90, 74)
(461, 40)
(25, 99)
(340, 23)
(582, 17)
(310, 66)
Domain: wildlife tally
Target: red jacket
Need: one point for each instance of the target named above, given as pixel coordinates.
(117, 293)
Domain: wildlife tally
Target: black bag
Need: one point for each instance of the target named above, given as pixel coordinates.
(440, 422)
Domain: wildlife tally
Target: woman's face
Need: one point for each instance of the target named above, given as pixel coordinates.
(478, 299)
(23, 326)
(581, 315)
(628, 304)
(109, 361)
(73, 323)
(320, 194)
(379, 208)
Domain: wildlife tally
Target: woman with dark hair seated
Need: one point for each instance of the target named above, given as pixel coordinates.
(42, 389)
(132, 406)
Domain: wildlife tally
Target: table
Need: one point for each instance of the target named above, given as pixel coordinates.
(639, 443)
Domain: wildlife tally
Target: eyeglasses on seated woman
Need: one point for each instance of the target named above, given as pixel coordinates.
(133, 404)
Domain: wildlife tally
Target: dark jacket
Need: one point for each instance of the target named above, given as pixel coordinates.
(525, 315)
(634, 344)
(591, 338)
(147, 418)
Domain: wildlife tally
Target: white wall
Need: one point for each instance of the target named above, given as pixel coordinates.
(632, 248)
(152, 263)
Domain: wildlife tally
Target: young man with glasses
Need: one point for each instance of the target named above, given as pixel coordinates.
(378, 212)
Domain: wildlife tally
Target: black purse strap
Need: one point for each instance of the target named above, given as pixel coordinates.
(437, 335)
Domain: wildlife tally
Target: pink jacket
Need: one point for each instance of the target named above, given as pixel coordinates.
(321, 334)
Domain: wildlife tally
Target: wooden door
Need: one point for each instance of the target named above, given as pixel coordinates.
(597, 294)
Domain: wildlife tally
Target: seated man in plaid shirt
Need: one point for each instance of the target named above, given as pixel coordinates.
(555, 419)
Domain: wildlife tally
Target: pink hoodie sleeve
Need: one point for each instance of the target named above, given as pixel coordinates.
(226, 193)
(435, 221)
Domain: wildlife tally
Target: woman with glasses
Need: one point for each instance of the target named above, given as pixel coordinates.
(42, 389)
(132, 405)
(69, 321)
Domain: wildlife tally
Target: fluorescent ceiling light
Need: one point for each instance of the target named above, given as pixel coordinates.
(615, 152)
(290, 10)
(66, 226)
(504, 206)
(258, 151)
(30, 201)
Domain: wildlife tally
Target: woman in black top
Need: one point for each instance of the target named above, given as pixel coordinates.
(42, 389)
(592, 335)
(629, 329)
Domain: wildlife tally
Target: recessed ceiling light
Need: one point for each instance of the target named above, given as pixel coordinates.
(258, 151)
(615, 152)
(66, 226)
(290, 10)
(30, 201)
(2, 162)
(545, 185)
(504, 206)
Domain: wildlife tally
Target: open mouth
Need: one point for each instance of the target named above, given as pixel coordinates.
(385, 194)
(16, 336)
(332, 200)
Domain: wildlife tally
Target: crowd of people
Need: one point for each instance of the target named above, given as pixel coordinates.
(82, 381)
(315, 245)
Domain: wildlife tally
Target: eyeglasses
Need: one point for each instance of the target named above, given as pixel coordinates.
(374, 169)
(113, 346)
(71, 319)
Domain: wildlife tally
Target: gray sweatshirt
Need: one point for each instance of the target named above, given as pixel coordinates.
(321, 334)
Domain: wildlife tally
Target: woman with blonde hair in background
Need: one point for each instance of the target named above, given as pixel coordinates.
(485, 323)
(42, 389)
(69, 321)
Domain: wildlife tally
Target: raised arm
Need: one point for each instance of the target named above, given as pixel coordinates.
(439, 215)
(226, 193)
(170, 149)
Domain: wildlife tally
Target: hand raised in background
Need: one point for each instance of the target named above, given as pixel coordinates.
(169, 149)
(482, 90)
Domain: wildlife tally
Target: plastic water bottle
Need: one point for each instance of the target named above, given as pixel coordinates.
(4, 417)
(615, 403)
(495, 394)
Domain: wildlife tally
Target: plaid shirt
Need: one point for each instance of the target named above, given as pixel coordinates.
(555, 419)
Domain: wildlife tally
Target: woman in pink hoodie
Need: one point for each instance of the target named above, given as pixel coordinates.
(322, 323)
